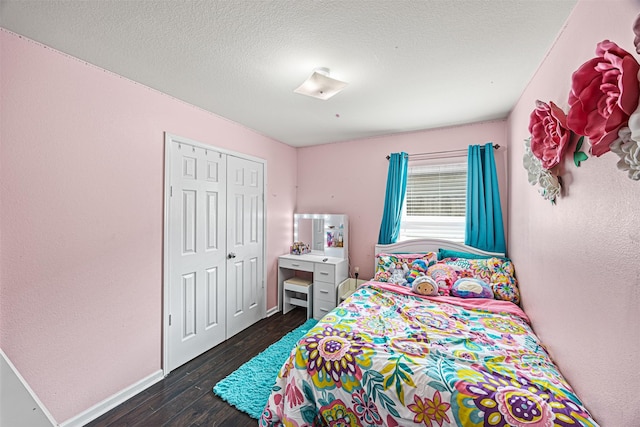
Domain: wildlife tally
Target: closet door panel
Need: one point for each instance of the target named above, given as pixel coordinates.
(214, 248)
(245, 242)
(197, 252)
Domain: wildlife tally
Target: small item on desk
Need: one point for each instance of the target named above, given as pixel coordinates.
(299, 248)
(325, 259)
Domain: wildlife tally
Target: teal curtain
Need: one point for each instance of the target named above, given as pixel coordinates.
(394, 198)
(484, 228)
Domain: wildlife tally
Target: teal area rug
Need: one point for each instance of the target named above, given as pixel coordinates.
(248, 388)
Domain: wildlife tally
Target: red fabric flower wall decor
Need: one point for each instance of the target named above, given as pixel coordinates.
(604, 93)
(603, 108)
(549, 134)
(636, 31)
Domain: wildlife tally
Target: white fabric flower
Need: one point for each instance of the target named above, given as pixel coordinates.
(550, 185)
(538, 175)
(531, 163)
(627, 148)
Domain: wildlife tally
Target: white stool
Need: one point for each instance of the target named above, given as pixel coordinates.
(293, 291)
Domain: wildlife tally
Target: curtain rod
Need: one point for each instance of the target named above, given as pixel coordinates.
(438, 153)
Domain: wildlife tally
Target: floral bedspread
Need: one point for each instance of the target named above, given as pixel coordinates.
(389, 359)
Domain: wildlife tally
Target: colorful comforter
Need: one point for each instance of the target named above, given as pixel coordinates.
(388, 357)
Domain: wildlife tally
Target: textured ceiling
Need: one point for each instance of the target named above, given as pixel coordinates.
(410, 64)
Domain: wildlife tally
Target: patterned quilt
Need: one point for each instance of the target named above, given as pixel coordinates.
(386, 357)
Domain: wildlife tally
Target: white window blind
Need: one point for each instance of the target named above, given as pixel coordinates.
(435, 202)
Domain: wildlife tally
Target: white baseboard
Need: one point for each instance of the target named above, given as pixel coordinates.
(272, 311)
(19, 405)
(111, 402)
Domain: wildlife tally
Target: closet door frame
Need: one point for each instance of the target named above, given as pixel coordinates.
(168, 140)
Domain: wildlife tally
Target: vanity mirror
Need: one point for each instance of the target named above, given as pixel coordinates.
(326, 234)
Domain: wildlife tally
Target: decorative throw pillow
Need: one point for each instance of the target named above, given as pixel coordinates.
(467, 287)
(447, 253)
(444, 275)
(497, 272)
(505, 287)
(477, 268)
(504, 266)
(383, 267)
(503, 280)
(387, 263)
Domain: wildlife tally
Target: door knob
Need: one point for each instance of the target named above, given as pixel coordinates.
(231, 255)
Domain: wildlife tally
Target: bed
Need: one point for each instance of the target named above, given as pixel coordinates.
(387, 356)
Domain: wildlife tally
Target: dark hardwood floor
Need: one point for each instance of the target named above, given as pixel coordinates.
(185, 397)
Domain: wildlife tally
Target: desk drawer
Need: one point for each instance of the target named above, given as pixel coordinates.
(322, 307)
(325, 272)
(324, 291)
(295, 264)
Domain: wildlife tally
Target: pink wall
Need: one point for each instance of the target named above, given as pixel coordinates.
(81, 176)
(577, 262)
(350, 177)
(81, 186)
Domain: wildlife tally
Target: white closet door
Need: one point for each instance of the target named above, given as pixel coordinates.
(245, 207)
(197, 252)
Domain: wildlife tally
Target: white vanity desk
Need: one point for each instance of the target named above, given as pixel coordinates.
(328, 261)
(327, 276)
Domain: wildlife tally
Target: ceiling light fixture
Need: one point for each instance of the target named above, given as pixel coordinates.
(320, 85)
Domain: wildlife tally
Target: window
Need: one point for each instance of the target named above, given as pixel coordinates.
(435, 201)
